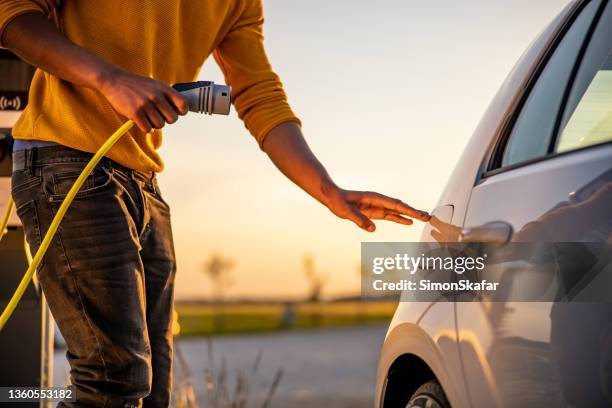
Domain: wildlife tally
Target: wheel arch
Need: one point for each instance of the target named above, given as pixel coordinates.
(406, 374)
(408, 359)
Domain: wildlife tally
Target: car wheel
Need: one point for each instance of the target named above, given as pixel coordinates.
(428, 395)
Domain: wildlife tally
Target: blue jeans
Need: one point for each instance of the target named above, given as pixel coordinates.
(108, 275)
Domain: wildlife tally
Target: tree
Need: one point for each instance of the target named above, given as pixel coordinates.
(218, 268)
(316, 280)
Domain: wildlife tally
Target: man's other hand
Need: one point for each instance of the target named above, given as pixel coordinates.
(362, 207)
(286, 147)
(148, 102)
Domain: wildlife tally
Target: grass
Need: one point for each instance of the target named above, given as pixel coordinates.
(223, 389)
(206, 318)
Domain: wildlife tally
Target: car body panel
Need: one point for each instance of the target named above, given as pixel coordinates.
(444, 335)
(543, 353)
(517, 337)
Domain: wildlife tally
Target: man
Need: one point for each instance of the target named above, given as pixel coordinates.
(108, 276)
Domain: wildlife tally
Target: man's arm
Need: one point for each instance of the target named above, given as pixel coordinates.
(261, 102)
(149, 103)
(288, 150)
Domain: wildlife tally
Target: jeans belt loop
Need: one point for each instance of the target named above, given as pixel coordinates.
(29, 161)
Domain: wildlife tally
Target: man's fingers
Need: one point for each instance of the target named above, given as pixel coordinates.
(142, 122)
(155, 117)
(363, 222)
(178, 101)
(393, 204)
(380, 214)
(373, 212)
(401, 207)
(168, 112)
(398, 219)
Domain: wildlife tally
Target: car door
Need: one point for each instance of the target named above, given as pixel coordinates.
(551, 168)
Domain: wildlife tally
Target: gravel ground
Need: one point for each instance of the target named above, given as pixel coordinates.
(332, 368)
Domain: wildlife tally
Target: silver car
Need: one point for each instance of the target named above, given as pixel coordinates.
(540, 156)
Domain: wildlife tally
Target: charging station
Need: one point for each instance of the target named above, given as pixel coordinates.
(26, 343)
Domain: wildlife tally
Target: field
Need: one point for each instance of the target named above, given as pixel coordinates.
(207, 318)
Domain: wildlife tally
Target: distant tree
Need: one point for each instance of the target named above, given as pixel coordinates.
(316, 279)
(218, 268)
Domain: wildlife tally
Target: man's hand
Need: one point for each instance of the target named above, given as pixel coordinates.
(148, 102)
(361, 207)
(288, 150)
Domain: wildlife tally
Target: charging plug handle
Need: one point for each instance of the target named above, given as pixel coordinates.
(206, 97)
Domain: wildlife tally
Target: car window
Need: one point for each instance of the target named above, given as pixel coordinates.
(588, 117)
(532, 132)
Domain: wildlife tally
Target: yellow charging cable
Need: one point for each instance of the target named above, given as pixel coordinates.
(7, 215)
(3, 227)
(10, 308)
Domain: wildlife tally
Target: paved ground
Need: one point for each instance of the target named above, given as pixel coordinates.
(332, 368)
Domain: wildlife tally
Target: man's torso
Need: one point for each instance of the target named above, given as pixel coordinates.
(164, 39)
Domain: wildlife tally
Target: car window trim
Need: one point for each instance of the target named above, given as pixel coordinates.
(492, 162)
(573, 74)
(546, 157)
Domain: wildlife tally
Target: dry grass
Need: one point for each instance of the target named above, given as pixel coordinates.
(222, 390)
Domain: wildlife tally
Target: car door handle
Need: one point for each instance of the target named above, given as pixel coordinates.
(496, 232)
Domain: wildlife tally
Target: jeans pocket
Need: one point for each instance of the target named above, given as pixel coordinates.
(28, 215)
(22, 180)
(59, 178)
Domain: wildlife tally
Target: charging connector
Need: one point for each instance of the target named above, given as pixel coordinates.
(207, 97)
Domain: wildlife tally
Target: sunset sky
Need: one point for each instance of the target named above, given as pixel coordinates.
(388, 94)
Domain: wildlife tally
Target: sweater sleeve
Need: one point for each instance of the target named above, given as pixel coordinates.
(257, 91)
(9, 9)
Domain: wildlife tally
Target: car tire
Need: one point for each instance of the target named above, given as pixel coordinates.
(429, 395)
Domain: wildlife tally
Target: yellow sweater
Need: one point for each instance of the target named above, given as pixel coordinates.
(164, 39)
